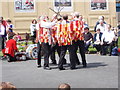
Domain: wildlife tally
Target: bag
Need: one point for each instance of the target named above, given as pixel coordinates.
(115, 51)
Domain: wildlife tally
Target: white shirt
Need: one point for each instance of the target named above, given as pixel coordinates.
(33, 27)
(108, 36)
(97, 37)
(101, 27)
(47, 24)
(2, 30)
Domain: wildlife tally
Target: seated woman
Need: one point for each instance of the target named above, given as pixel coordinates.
(97, 40)
(11, 48)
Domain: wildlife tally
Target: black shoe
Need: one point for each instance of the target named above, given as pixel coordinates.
(39, 66)
(3, 58)
(47, 68)
(73, 68)
(10, 61)
(103, 54)
(54, 63)
(84, 66)
(109, 55)
(61, 68)
(78, 63)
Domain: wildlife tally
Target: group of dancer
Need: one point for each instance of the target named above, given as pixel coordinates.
(61, 34)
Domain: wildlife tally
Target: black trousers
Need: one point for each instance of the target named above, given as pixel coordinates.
(80, 44)
(3, 42)
(71, 56)
(39, 53)
(107, 47)
(98, 47)
(47, 50)
(75, 50)
(53, 50)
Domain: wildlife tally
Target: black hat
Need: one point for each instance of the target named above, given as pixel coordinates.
(86, 28)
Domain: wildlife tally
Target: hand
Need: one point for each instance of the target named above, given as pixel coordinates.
(36, 40)
(87, 41)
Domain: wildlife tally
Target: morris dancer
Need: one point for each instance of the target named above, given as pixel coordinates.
(78, 40)
(64, 37)
(46, 39)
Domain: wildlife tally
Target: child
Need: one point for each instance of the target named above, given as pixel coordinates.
(11, 48)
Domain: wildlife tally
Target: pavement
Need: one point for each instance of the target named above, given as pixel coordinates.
(102, 72)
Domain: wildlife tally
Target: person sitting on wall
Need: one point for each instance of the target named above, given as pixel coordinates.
(108, 39)
(98, 22)
(87, 38)
(97, 40)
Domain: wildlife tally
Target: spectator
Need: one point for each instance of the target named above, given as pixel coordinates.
(107, 40)
(33, 27)
(10, 28)
(87, 38)
(101, 26)
(99, 18)
(64, 87)
(11, 48)
(116, 36)
(7, 86)
(3, 37)
(3, 22)
(10, 25)
(118, 25)
(97, 40)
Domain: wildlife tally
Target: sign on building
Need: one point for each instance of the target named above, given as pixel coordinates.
(65, 5)
(99, 4)
(24, 5)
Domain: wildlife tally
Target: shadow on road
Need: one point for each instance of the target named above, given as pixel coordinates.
(95, 65)
(89, 65)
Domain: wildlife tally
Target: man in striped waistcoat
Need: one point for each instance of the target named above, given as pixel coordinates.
(64, 38)
(46, 39)
(78, 40)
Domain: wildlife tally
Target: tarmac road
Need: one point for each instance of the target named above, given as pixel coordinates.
(102, 72)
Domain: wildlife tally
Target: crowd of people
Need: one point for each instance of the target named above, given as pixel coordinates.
(71, 32)
(62, 33)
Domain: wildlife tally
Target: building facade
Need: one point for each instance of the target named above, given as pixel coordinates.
(22, 12)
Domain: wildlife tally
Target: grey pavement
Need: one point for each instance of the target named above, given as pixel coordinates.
(102, 72)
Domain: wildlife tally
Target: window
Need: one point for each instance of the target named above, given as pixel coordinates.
(65, 5)
(98, 5)
(118, 6)
(24, 5)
